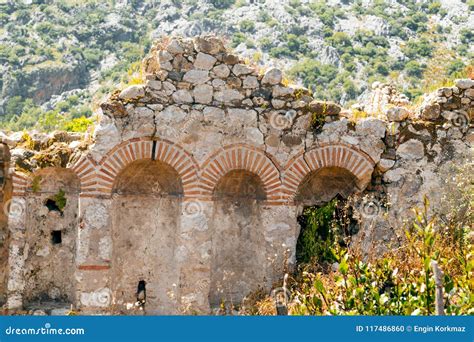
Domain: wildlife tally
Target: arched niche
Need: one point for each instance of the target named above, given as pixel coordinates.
(322, 185)
(316, 190)
(146, 200)
(51, 213)
(238, 242)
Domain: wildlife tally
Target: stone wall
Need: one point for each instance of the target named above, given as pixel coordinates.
(193, 181)
(5, 195)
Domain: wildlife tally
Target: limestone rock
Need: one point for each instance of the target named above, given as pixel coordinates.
(242, 116)
(106, 136)
(213, 114)
(164, 56)
(166, 66)
(154, 85)
(182, 96)
(254, 136)
(241, 69)
(218, 83)
(412, 149)
(469, 93)
(324, 108)
(464, 83)
(168, 88)
(231, 59)
(172, 114)
(210, 45)
(250, 82)
(279, 91)
(196, 76)
(175, 47)
(221, 71)
(397, 113)
(203, 93)
(278, 104)
(371, 127)
(430, 111)
(204, 61)
(385, 164)
(228, 96)
(273, 76)
(114, 108)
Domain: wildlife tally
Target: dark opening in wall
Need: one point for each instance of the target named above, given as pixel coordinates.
(323, 228)
(56, 237)
(57, 202)
(141, 293)
(51, 205)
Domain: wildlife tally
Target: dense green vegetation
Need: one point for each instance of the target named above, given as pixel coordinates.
(318, 234)
(61, 33)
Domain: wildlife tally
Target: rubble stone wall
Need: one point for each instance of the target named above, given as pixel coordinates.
(5, 195)
(193, 181)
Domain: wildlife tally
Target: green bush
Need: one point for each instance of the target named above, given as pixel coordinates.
(78, 124)
(327, 14)
(466, 36)
(414, 69)
(14, 105)
(222, 4)
(340, 40)
(60, 199)
(418, 47)
(318, 234)
(238, 38)
(247, 26)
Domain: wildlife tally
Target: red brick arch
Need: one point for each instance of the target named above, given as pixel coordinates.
(20, 183)
(349, 158)
(122, 155)
(85, 168)
(240, 157)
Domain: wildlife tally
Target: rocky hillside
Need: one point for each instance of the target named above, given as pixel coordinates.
(58, 58)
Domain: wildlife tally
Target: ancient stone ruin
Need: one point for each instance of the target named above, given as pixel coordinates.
(191, 184)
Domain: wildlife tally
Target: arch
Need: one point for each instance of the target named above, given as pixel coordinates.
(240, 184)
(51, 179)
(140, 148)
(146, 210)
(340, 156)
(240, 157)
(22, 183)
(321, 186)
(145, 177)
(85, 169)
